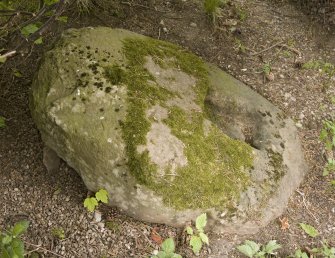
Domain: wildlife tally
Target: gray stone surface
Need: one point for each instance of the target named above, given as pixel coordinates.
(203, 143)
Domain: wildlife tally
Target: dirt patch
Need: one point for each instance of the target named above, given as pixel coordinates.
(245, 29)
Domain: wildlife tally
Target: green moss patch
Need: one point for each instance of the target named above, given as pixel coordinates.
(217, 169)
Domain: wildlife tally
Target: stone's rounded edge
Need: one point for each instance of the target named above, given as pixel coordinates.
(281, 135)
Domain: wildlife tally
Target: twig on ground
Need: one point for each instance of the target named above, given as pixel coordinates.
(42, 248)
(306, 206)
(267, 49)
(291, 49)
(9, 54)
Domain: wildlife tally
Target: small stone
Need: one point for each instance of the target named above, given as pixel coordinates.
(97, 216)
(298, 124)
(193, 24)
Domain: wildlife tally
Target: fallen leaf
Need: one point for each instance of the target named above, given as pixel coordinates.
(284, 223)
(156, 237)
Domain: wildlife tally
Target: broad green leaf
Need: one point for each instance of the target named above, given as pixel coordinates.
(261, 254)
(300, 254)
(204, 238)
(254, 246)
(168, 246)
(29, 29)
(90, 203)
(20, 227)
(323, 134)
(196, 244)
(176, 256)
(328, 145)
(310, 230)
(38, 41)
(62, 19)
(6, 239)
(2, 122)
(160, 254)
(201, 221)
(189, 230)
(246, 250)
(102, 195)
(17, 248)
(17, 73)
(3, 59)
(271, 247)
(50, 2)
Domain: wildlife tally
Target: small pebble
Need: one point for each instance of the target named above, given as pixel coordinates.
(97, 216)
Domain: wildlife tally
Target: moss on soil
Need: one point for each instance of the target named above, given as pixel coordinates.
(217, 169)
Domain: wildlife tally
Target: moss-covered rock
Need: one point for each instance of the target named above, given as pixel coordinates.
(167, 135)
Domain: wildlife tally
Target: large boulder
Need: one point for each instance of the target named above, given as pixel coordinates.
(166, 134)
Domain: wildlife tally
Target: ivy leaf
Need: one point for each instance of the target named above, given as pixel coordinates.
(309, 230)
(38, 41)
(246, 250)
(250, 248)
(271, 247)
(17, 73)
(102, 195)
(201, 222)
(168, 246)
(2, 122)
(90, 203)
(17, 248)
(254, 246)
(62, 19)
(20, 228)
(2, 59)
(29, 29)
(189, 230)
(196, 244)
(300, 254)
(204, 238)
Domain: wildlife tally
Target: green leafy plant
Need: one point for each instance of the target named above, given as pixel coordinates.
(266, 68)
(300, 254)
(240, 47)
(309, 230)
(324, 251)
(252, 249)
(92, 202)
(2, 122)
(327, 135)
(168, 250)
(198, 237)
(58, 233)
(30, 29)
(325, 67)
(212, 7)
(11, 245)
